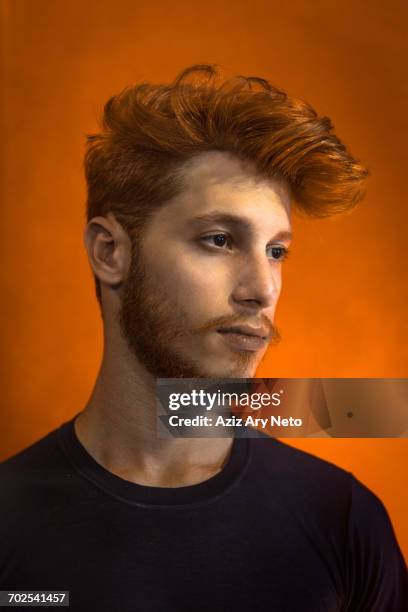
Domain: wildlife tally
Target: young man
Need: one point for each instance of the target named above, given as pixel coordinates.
(190, 187)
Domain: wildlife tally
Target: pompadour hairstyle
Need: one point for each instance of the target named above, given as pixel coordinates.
(149, 131)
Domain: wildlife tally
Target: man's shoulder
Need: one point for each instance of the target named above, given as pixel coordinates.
(29, 463)
(302, 480)
(282, 456)
(30, 478)
(322, 487)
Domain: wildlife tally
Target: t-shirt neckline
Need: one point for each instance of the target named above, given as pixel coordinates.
(208, 490)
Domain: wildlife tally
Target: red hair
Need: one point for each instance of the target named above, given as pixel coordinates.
(149, 131)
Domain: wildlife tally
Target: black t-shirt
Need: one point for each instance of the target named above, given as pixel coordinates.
(277, 529)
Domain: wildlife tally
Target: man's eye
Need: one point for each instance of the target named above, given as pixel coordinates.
(218, 240)
(277, 253)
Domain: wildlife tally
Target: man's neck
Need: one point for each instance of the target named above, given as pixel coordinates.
(118, 429)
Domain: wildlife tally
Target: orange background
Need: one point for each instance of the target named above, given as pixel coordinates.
(343, 308)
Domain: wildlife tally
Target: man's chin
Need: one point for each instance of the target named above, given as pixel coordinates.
(231, 369)
(196, 369)
(162, 363)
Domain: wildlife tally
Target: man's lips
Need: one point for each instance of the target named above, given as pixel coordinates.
(247, 330)
(245, 337)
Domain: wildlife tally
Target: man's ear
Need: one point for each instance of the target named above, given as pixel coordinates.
(109, 249)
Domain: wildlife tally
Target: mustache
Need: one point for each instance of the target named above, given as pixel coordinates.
(262, 321)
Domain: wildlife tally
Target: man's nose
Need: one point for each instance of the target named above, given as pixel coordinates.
(258, 282)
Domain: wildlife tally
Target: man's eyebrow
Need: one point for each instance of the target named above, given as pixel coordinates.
(229, 219)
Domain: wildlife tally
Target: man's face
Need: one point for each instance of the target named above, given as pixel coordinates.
(201, 293)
